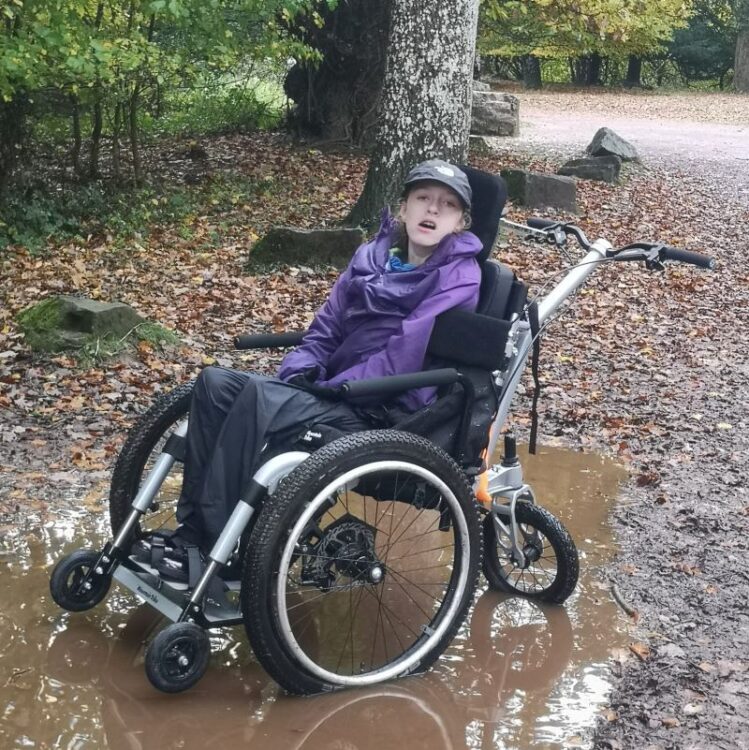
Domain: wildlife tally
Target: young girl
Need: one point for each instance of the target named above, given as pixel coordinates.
(377, 322)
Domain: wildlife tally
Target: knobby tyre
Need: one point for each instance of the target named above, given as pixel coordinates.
(177, 657)
(362, 565)
(551, 569)
(74, 585)
(143, 445)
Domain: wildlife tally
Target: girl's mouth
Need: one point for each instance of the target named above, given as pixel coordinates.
(428, 224)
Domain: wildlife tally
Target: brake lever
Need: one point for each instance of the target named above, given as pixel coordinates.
(653, 258)
(560, 236)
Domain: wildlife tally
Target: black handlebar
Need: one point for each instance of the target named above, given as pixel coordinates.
(653, 252)
(536, 222)
(687, 256)
(399, 383)
(267, 340)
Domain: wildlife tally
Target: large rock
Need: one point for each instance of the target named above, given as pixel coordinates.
(537, 190)
(63, 322)
(332, 247)
(480, 145)
(601, 168)
(607, 143)
(494, 113)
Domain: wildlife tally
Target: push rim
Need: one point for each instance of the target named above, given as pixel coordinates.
(364, 580)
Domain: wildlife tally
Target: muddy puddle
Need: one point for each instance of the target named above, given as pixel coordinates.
(519, 675)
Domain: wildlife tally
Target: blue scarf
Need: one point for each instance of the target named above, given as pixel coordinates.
(395, 264)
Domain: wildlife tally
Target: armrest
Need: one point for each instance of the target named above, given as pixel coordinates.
(398, 383)
(267, 340)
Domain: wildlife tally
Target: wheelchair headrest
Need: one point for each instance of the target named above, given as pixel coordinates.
(489, 196)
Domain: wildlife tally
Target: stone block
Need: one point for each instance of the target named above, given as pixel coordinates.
(494, 113)
(607, 143)
(536, 190)
(292, 246)
(65, 322)
(600, 168)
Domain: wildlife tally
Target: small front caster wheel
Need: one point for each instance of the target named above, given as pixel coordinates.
(178, 657)
(74, 583)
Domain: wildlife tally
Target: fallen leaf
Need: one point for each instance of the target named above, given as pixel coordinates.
(692, 709)
(640, 650)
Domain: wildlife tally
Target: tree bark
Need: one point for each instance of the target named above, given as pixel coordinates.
(425, 110)
(336, 98)
(741, 62)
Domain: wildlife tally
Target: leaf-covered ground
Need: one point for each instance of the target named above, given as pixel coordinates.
(648, 367)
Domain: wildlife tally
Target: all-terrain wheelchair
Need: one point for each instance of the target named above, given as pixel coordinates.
(355, 561)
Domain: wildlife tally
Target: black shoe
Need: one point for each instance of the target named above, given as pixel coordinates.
(151, 546)
(183, 563)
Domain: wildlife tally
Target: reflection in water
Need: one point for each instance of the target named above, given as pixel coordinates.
(519, 674)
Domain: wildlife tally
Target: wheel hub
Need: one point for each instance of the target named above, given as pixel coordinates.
(345, 549)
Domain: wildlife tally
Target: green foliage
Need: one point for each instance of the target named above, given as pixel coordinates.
(219, 108)
(702, 51)
(117, 62)
(34, 218)
(553, 29)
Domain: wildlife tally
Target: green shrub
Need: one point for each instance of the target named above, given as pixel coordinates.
(35, 218)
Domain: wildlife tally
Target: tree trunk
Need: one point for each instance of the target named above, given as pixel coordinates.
(133, 128)
(586, 70)
(531, 72)
(337, 97)
(76, 124)
(741, 61)
(97, 122)
(116, 128)
(593, 77)
(13, 135)
(425, 110)
(634, 71)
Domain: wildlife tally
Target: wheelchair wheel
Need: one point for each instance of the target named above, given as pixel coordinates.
(363, 564)
(178, 657)
(550, 571)
(68, 586)
(143, 446)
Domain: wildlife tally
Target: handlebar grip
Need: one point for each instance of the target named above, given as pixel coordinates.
(687, 256)
(399, 383)
(536, 222)
(267, 340)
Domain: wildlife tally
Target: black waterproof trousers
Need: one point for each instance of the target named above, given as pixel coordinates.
(233, 417)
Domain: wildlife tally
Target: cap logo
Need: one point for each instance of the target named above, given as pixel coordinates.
(445, 171)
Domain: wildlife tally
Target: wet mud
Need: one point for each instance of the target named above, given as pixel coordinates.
(518, 675)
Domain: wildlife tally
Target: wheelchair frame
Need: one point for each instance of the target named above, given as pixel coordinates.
(505, 483)
(206, 607)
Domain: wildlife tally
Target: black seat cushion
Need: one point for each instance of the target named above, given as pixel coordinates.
(478, 339)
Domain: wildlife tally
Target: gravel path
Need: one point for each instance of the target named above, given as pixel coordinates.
(694, 132)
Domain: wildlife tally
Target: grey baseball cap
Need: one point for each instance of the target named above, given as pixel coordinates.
(448, 174)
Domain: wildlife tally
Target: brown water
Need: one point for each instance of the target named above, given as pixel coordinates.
(519, 675)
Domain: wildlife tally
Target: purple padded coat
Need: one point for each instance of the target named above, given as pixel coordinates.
(377, 322)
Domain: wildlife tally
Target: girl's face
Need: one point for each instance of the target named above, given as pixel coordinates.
(430, 212)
